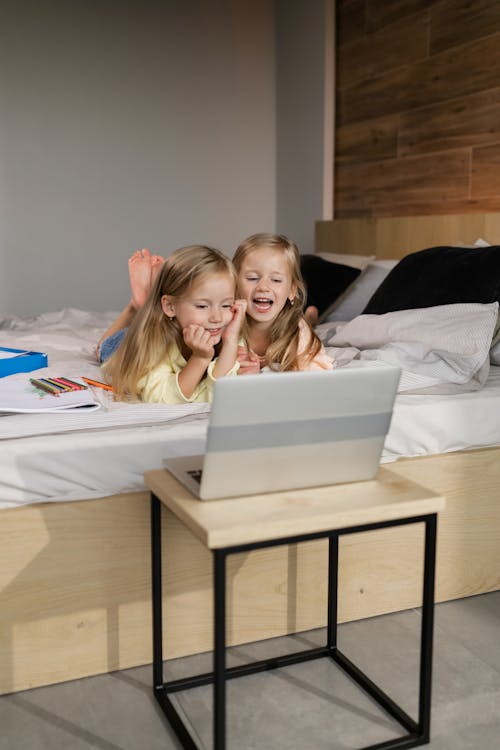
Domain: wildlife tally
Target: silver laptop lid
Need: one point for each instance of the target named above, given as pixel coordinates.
(278, 431)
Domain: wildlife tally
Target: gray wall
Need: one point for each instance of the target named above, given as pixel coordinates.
(304, 106)
(124, 124)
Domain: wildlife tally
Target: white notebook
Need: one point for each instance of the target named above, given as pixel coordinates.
(17, 394)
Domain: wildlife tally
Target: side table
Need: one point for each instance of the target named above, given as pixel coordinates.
(236, 525)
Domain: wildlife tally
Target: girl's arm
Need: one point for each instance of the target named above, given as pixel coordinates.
(230, 337)
(161, 385)
(197, 339)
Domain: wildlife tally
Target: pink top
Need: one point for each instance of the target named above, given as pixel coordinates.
(321, 361)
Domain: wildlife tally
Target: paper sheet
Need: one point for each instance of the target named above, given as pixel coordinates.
(4, 354)
(17, 394)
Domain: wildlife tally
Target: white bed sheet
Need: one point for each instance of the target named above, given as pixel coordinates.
(425, 424)
(88, 465)
(50, 458)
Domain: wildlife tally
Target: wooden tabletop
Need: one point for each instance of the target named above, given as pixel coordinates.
(242, 520)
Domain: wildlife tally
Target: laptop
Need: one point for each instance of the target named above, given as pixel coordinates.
(284, 431)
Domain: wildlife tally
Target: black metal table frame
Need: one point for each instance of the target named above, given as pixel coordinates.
(418, 732)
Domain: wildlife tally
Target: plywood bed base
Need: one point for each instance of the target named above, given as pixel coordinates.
(397, 236)
(75, 580)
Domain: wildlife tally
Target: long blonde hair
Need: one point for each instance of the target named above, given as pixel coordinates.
(282, 352)
(152, 334)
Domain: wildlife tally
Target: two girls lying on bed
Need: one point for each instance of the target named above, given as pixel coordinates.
(183, 327)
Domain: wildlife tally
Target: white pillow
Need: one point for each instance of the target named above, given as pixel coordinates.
(356, 299)
(478, 243)
(447, 343)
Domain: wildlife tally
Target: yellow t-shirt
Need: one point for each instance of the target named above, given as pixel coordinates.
(161, 385)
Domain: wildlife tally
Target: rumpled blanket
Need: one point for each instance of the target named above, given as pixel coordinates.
(442, 349)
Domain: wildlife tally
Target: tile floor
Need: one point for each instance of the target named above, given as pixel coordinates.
(311, 706)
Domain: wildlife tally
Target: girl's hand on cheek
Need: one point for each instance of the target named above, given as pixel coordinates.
(232, 330)
(197, 339)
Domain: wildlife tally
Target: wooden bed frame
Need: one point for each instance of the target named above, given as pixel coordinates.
(75, 577)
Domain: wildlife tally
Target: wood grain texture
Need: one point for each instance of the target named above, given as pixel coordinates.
(367, 141)
(278, 515)
(461, 123)
(431, 81)
(433, 98)
(350, 20)
(469, 528)
(412, 180)
(471, 20)
(60, 610)
(379, 14)
(486, 171)
(433, 208)
(399, 44)
(395, 237)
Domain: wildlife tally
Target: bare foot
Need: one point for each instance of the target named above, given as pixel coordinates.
(156, 264)
(311, 314)
(139, 270)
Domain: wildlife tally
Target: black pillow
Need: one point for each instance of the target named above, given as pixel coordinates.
(325, 281)
(439, 276)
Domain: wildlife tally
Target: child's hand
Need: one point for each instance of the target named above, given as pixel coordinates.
(232, 330)
(198, 340)
(249, 362)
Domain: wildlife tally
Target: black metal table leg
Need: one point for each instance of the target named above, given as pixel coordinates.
(424, 712)
(219, 650)
(156, 581)
(333, 574)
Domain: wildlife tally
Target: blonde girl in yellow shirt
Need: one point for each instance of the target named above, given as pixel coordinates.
(186, 333)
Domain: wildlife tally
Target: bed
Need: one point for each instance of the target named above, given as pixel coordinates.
(74, 531)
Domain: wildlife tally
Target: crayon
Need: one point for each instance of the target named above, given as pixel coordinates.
(42, 386)
(98, 384)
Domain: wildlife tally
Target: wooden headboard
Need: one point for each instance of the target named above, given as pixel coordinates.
(395, 237)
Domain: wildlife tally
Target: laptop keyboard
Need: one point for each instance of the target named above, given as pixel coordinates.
(195, 474)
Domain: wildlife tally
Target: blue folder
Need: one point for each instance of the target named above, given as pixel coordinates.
(24, 362)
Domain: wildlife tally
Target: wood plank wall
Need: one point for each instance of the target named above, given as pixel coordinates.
(418, 107)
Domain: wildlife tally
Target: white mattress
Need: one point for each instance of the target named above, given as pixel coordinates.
(63, 457)
(424, 424)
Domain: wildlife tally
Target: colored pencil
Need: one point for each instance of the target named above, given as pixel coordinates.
(98, 384)
(47, 381)
(71, 384)
(58, 385)
(42, 386)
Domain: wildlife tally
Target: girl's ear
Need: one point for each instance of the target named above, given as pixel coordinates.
(293, 293)
(167, 305)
